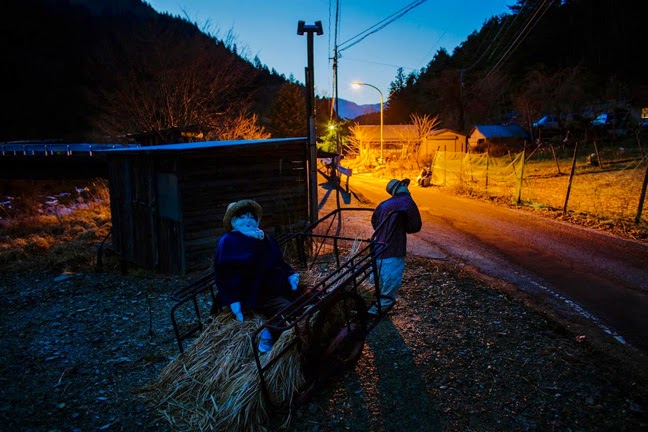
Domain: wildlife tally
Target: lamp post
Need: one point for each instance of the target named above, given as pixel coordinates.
(357, 84)
(311, 30)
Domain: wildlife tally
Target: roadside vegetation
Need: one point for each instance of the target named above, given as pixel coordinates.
(53, 227)
(604, 191)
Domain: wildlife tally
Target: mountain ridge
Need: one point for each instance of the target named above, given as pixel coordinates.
(350, 110)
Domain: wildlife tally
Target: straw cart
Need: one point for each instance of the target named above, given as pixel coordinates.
(327, 324)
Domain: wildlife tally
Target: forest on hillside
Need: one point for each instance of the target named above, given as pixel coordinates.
(544, 57)
(79, 71)
(113, 70)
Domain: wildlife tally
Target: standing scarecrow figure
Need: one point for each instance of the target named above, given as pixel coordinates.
(393, 219)
(250, 269)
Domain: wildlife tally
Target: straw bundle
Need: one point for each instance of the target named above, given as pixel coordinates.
(215, 386)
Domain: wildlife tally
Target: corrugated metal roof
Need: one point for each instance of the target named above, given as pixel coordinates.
(198, 145)
(502, 131)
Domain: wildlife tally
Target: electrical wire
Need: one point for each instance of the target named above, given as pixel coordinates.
(380, 64)
(522, 35)
(507, 25)
(378, 26)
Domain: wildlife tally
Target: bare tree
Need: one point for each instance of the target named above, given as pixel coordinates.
(358, 142)
(241, 127)
(163, 77)
(424, 126)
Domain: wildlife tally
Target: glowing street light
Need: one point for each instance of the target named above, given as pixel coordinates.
(357, 84)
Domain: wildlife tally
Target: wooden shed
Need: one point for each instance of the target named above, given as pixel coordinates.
(445, 140)
(168, 201)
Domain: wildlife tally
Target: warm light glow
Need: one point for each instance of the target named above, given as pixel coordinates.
(331, 127)
(357, 84)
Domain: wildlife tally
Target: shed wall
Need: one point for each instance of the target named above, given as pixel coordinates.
(167, 206)
(273, 175)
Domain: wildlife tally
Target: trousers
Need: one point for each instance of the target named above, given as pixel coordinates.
(390, 273)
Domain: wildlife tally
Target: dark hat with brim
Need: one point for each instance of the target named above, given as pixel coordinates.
(395, 186)
(239, 206)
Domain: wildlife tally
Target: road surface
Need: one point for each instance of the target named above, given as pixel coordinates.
(589, 274)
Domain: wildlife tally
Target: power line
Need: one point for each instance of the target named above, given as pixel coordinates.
(507, 27)
(522, 35)
(378, 26)
(433, 46)
(378, 63)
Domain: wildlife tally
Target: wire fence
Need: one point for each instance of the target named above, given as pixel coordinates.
(606, 184)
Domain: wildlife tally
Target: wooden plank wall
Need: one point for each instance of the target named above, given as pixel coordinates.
(274, 175)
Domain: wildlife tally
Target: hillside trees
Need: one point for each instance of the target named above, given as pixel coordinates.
(287, 116)
(548, 57)
(158, 75)
(44, 92)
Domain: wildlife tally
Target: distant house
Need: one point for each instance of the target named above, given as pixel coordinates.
(393, 135)
(497, 138)
(443, 140)
(167, 202)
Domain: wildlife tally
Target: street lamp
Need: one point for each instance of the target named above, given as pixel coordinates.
(357, 84)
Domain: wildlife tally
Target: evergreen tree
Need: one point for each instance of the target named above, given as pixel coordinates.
(287, 117)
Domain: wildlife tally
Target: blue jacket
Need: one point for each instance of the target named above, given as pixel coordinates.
(394, 231)
(247, 270)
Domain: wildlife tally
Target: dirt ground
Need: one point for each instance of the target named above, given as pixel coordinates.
(455, 354)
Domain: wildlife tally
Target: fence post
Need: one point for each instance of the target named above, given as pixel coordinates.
(571, 177)
(642, 197)
(553, 151)
(445, 168)
(487, 160)
(598, 157)
(519, 198)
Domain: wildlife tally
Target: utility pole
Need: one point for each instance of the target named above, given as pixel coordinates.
(337, 102)
(310, 30)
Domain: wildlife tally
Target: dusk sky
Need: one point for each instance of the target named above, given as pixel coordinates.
(268, 29)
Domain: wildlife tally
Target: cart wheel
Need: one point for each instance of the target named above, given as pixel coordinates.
(345, 349)
(338, 339)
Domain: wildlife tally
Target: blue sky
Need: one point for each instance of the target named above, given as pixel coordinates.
(268, 29)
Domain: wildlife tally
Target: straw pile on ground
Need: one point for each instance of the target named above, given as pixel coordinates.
(215, 386)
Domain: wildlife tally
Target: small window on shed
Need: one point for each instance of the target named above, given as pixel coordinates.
(168, 199)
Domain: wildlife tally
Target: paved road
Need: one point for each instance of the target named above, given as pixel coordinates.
(587, 273)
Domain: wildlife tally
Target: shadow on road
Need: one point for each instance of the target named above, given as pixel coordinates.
(385, 392)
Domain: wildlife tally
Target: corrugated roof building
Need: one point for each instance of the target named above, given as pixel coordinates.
(482, 137)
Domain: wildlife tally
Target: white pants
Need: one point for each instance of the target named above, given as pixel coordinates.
(390, 272)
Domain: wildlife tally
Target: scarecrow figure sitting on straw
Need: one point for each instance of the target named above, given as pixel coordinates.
(250, 269)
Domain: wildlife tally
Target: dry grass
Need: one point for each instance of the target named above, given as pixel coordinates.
(215, 384)
(57, 237)
(602, 197)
